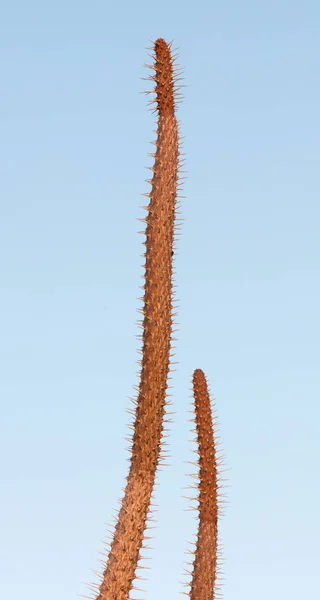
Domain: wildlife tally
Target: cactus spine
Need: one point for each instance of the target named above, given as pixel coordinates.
(151, 402)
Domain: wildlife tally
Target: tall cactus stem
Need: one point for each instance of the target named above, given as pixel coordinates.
(120, 569)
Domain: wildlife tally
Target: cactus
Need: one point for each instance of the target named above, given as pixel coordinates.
(151, 402)
(206, 553)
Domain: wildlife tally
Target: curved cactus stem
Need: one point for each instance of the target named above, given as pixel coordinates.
(128, 536)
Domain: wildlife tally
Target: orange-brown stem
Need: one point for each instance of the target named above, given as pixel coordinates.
(157, 329)
(205, 563)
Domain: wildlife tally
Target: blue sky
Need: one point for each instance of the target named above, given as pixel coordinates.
(75, 133)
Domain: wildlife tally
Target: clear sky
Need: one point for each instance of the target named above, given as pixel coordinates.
(75, 134)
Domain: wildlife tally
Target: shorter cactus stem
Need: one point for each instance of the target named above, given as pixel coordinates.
(205, 562)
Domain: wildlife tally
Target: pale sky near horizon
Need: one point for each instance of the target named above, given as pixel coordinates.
(75, 133)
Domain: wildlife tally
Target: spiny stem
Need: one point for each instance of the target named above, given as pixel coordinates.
(157, 330)
(205, 563)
